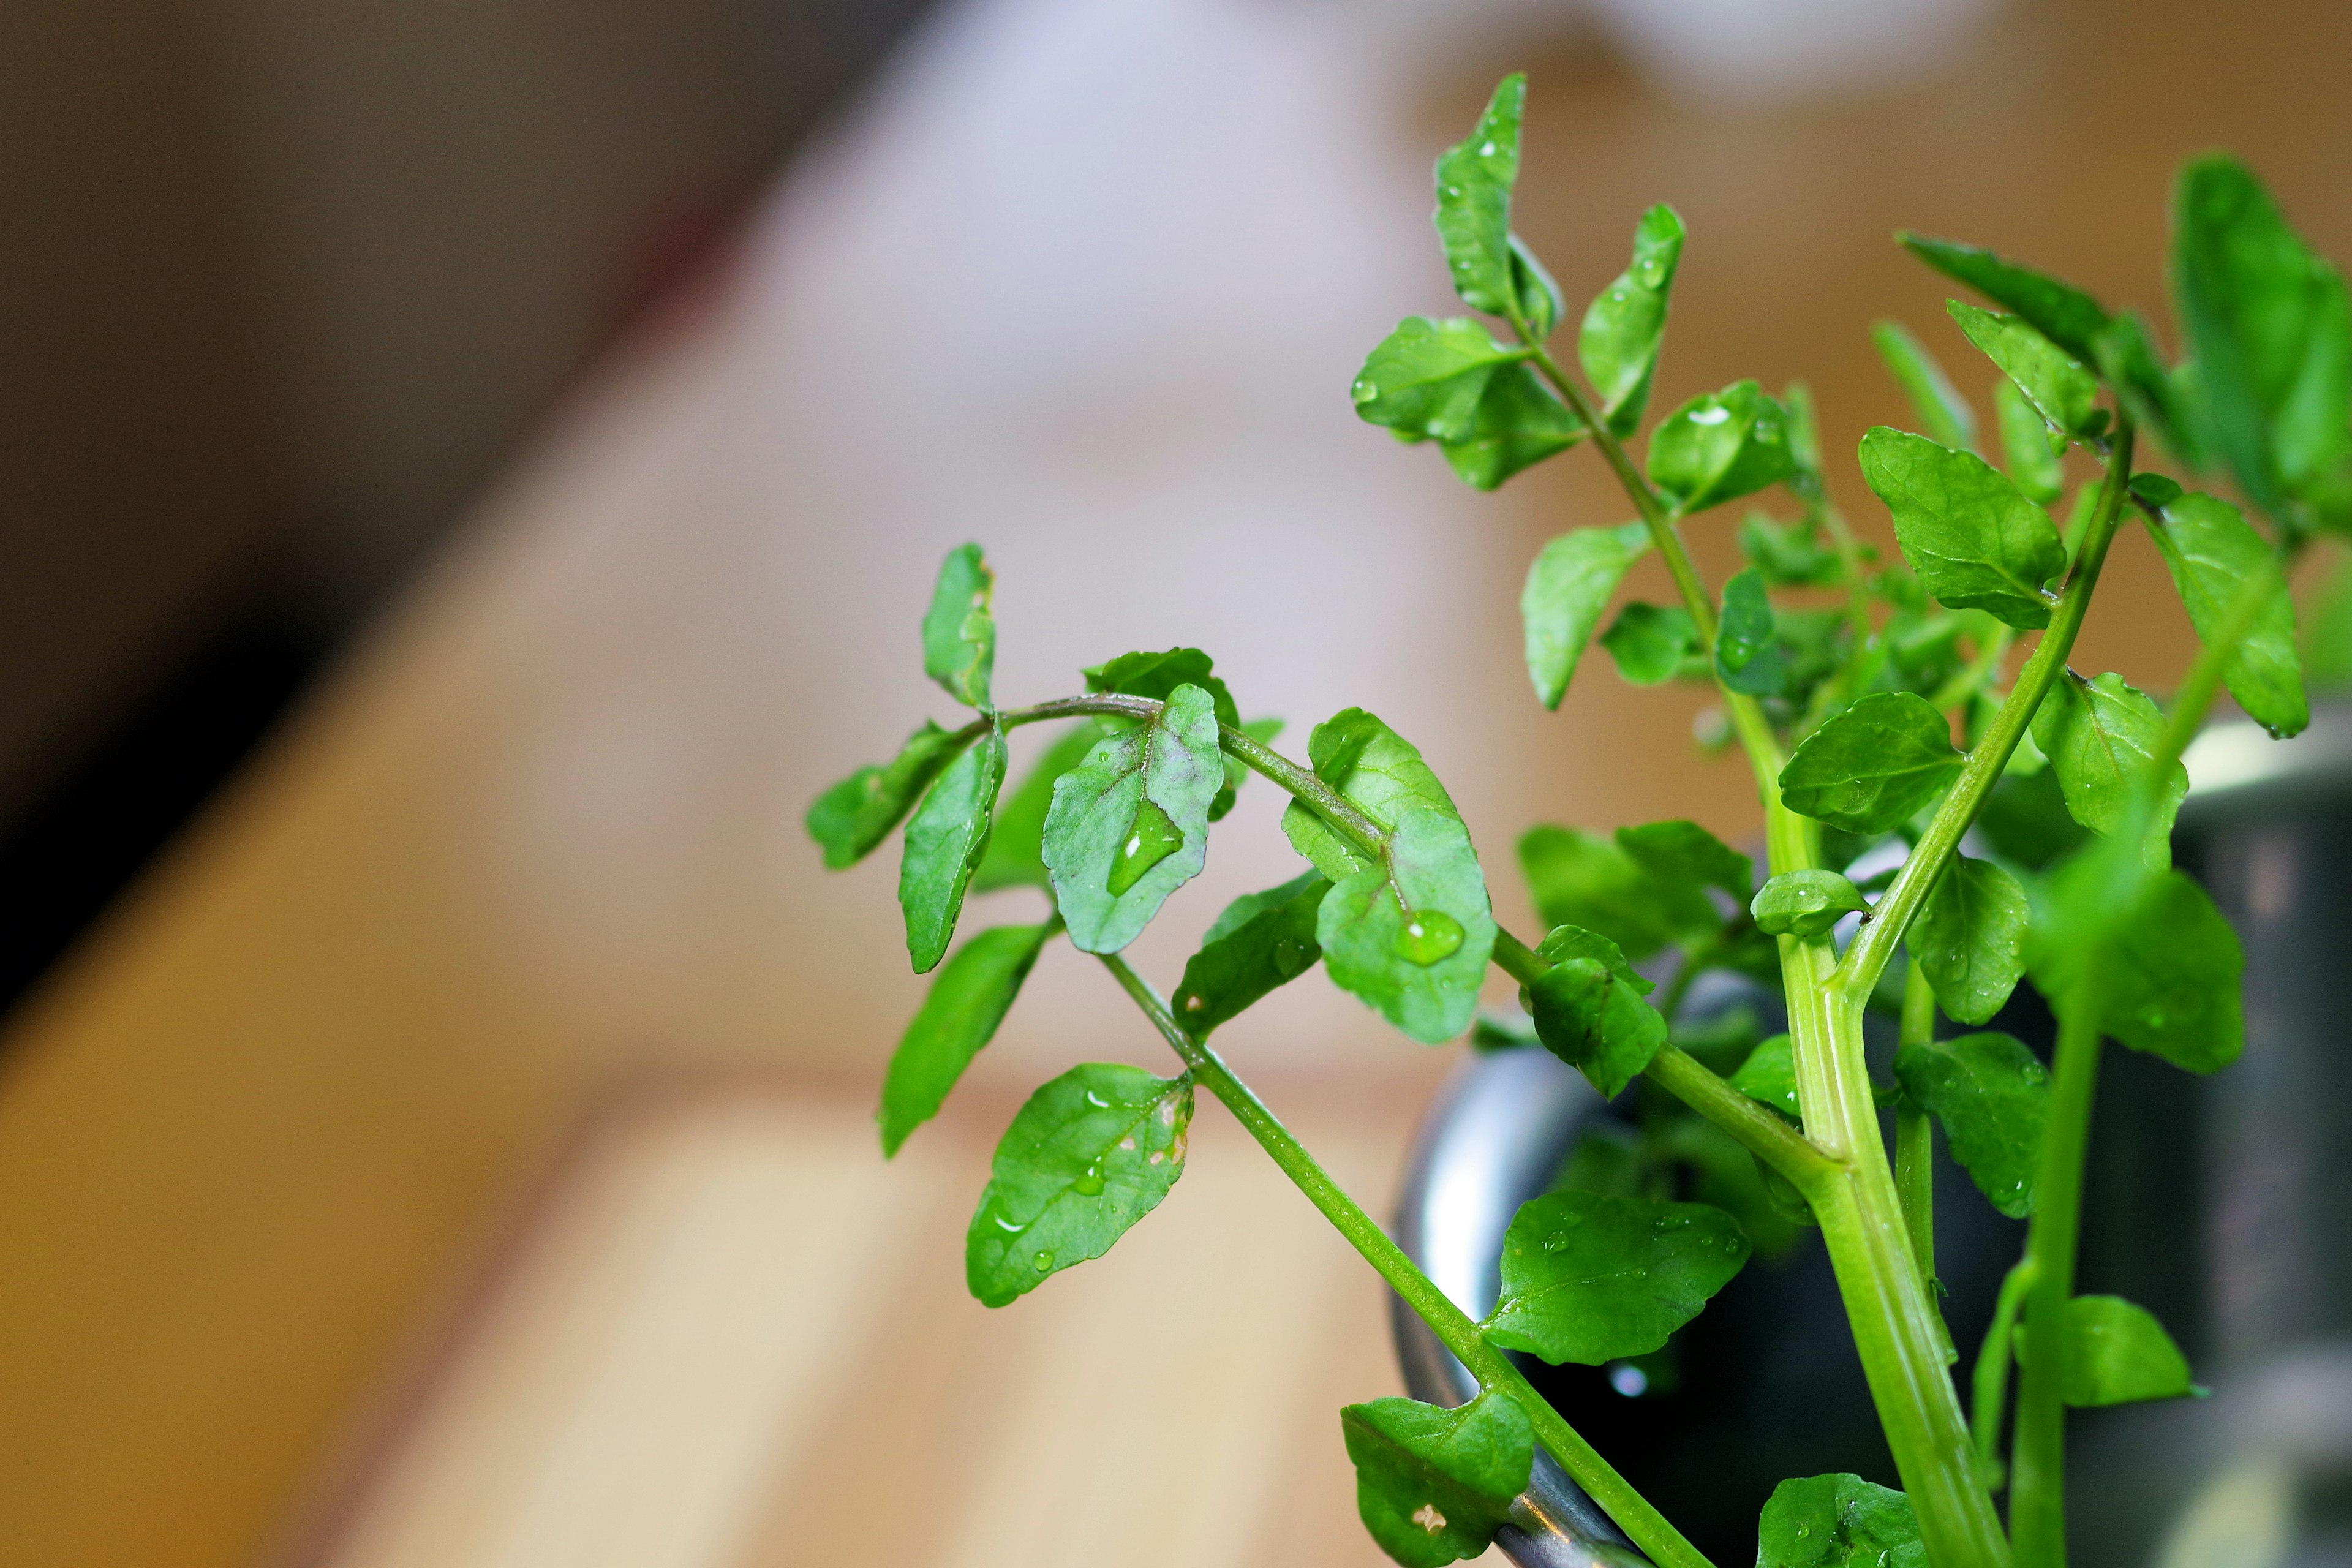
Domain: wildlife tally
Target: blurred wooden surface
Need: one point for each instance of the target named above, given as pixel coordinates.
(540, 839)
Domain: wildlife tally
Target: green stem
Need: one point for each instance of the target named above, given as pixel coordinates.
(1643, 1524)
(1915, 1138)
(1867, 957)
(1990, 1385)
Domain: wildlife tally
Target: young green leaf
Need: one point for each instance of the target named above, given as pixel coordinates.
(1157, 676)
(1974, 539)
(2214, 556)
(1015, 856)
(2053, 380)
(1992, 1095)
(1519, 424)
(849, 819)
(1790, 554)
(1090, 1153)
(1563, 943)
(2025, 446)
(2100, 737)
(959, 1016)
(2059, 312)
(1838, 1522)
(1540, 302)
(2117, 1353)
(1377, 769)
(1939, 403)
(945, 840)
(1427, 378)
(1719, 446)
(1262, 941)
(1969, 938)
(959, 632)
(1590, 1014)
(1625, 323)
(1570, 585)
(1579, 878)
(1473, 202)
(1130, 823)
(1431, 1484)
(1769, 1075)
(1587, 1279)
(1871, 767)
(1650, 645)
(1746, 655)
(1681, 855)
(1411, 938)
(1805, 903)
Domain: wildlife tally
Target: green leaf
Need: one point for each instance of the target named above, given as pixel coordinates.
(1157, 676)
(1015, 857)
(1974, 539)
(2171, 980)
(1130, 823)
(1681, 855)
(2214, 556)
(1992, 1095)
(1431, 1484)
(1540, 303)
(1805, 903)
(2059, 312)
(959, 634)
(1473, 202)
(2025, 448)
(945, 840)
(1939, 403)
(1563, 943)
(1969, 938)
(1871, 767)
(1411, 938)
(1838, 1522)
(2100, 736)
(2264, 320)
(1570, 585)
(2117, 1353)
(1590, 1014)
(1650, 645)
(1090, 1153)
(959, 1016)
(853, 816)
(1580, 878)
(1587, 1279)
(1374, 767)
(1720, 446)
(1746, 655)
(1791, 555)
(1262, 941)
(1769, 1075)
(2168, 404)
(1625, 323)
(1427, 378)
(2063, 391)
(1519, 424)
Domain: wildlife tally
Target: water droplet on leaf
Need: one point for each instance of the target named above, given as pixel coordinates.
(1151, 840)
(1090, 1184)
(1555, 1241)
(1043, 1261)
(1428, 936)
(1097, 1100)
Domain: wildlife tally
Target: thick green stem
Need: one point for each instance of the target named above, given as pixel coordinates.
(1991, 1385)
(1643, 1524)
(1914, 1137)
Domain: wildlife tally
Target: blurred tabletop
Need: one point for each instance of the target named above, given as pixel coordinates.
(458, 1149)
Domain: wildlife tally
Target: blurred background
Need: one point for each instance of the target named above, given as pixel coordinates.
(470, 474)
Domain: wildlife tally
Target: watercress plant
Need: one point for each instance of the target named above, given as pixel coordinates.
(1884, 712)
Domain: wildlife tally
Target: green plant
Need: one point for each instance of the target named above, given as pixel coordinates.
(1846, 705)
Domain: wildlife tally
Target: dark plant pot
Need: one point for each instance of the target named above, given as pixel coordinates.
(2224, 1204)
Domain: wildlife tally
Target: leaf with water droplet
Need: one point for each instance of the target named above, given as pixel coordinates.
(1427, 378)
(959, 1014)
(1362, 927)
(1474, 179)
(1806, 904)
(2100, 737)
(1157, 676)
(2214, 555)
(1569, 586)
(1090, 1153)
(1769, 1075)
(1433, 1484)
(1838, 1522)
(1974, 538)
(1427, 937)
(1939, 403)
(2116, 1354)
(1992, 1096)
(1098, 829)
(1374, 767)
(959, 632)
(1651, 645)
(853, 816)
(1519, 424)
(1623, 326)
(1720, 446)
(1015, 857)
(1871, 767)
(1748, 657)
(1261, 941)
(1588, 1010)
(1619, 1285)
(1969, 938)
(945, 840)
(2061, 390)
(1580, 878)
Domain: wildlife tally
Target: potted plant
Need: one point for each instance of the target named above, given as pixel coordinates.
(1886, 709)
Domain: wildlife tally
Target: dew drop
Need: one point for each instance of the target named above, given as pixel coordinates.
(1555, 1241)
(1151, 839)
(1090, 1184)
(1428, 936)
(1651, 273)
(1043, 1261)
